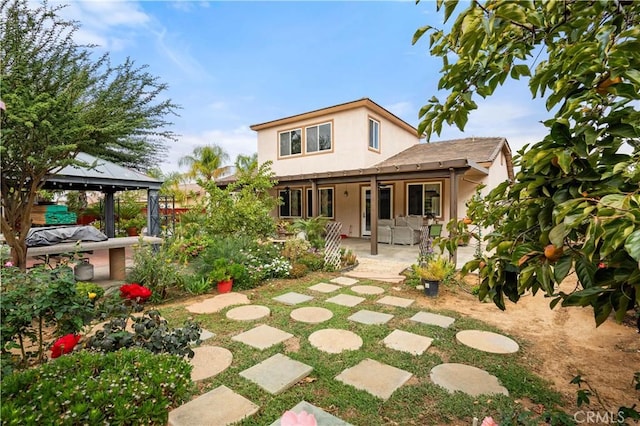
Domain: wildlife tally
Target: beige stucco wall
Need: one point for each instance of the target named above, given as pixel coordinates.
(350, 140)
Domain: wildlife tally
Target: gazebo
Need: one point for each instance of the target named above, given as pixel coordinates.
(109, 178)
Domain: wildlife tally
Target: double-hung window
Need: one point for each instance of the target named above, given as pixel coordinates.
(291, 202)
(318, 137)
(374, 134)
(325, 202)
(424, 199)
(290, 142)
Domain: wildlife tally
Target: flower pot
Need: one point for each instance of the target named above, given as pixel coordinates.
(431, 288)
(132, 231)
(225, 286)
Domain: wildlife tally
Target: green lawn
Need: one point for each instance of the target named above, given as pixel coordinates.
(418, 402)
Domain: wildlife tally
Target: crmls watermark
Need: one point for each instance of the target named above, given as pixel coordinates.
(599, 417)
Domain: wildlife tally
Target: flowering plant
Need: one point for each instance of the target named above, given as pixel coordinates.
(135, 291)
(289, 418)
(64, 345)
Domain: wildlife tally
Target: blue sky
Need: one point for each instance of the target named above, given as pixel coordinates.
(233, 64)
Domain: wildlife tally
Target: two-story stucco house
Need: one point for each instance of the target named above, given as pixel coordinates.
(327, 161)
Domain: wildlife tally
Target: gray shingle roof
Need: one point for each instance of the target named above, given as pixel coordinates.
(479, 150)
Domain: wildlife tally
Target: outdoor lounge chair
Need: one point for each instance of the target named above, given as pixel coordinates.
(407, 230)
(385, 231)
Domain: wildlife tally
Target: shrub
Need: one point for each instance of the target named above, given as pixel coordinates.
(34, 300)
(298, 270)
(151, 332)
(86, 289)
(155, 269)
(295, 248)
(313, 261)
(124, 387)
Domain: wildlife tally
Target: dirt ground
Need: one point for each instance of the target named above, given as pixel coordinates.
(562, 343)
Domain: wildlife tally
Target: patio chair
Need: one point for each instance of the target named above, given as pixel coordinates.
(435, 230)
(385, 231)
(407, 230)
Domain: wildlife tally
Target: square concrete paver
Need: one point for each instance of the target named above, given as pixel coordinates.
(220, 406)
(346, 300)
(400, 302)
(433, 319)
(344, 281)
(293, 298)
(407, 342)
(322, 417)
(324, 287)
(262, 337)
(276, 374)
(378, 379)
(370, 317)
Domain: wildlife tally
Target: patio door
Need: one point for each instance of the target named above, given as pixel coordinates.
(385, 207)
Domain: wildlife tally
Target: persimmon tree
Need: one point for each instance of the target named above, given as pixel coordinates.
(574, 205)
(59, 100)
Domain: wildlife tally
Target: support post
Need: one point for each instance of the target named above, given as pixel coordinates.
(109, 214)
(153, 213)
(374, 215)
(315, 207)
(453, 207)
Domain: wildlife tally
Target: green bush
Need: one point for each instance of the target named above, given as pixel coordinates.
(124, 387)
(84, 289)
(313, 261)
(156, 269)
(298, 270)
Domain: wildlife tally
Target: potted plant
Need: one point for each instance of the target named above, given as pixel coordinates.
(434, 271)
(223, 272)
(134, 225)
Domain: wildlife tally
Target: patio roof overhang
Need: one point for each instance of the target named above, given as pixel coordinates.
(434, 169)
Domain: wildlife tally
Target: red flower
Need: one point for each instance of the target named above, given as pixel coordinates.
(602, 265)
(135, 291)
(64, 345)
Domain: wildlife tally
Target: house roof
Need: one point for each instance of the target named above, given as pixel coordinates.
(476, 150)
(360, 103)
(104, 175)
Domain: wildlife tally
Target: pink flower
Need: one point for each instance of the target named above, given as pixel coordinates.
(488, 421)
(8, 264)
(289, 418)
(602, 265)
(64, 345)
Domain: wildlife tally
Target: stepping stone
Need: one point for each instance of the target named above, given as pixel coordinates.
(322, 417)
(248, 313)
(218, 303)
(293, 298)
(346, 300)
(344, 281)
(311, 315)
(220, 406)
(378, 379)
(262, 337)
(367, 289)
(324, 287)
(404, 341)
(395, 301)
(370, 317)
(206, 334)
(432, 319)
(277, 373)
(467, 379)
(334, 341)
(209, 361)
(487, 341)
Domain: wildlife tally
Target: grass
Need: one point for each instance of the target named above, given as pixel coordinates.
(419, 401)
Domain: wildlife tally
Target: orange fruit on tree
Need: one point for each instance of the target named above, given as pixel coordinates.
(467, 221)
(552, 252)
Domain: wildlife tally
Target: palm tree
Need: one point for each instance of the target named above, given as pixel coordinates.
(205, 162)
(170, 183)
(246, 163)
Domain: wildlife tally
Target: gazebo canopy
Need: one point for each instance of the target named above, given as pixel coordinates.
(103, 176)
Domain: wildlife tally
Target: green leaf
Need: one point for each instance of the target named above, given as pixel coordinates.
(557, 234)
(585, 271)
(632, 245)
(562, 267)
(449, 7)
(583, 297)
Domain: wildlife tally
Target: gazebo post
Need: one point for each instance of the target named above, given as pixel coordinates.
(109, 214)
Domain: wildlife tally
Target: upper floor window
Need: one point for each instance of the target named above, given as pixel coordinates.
(374, 134)
(318, 137)
(291, 202)
(291, 142)
(424, 199)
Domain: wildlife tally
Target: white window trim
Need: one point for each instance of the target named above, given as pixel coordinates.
(373, 148)
(302, 143)
(440, 201)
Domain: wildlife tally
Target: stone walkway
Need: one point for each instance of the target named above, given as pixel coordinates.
(276, 374)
